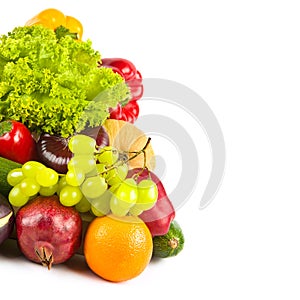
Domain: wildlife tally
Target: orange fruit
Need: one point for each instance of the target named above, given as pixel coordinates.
(117, 248)
(126, 137)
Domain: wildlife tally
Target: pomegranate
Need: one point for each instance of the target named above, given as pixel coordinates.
(48, 232)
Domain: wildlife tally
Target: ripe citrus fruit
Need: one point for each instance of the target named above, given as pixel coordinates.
(126, 137)
(117, 248)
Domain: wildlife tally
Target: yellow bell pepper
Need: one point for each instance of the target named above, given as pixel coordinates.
(53, 18)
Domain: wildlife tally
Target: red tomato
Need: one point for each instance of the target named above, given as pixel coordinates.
(16, 142)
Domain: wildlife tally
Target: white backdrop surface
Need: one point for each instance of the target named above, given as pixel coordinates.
(242, 58)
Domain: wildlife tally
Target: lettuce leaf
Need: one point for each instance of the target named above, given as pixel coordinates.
(54, 85)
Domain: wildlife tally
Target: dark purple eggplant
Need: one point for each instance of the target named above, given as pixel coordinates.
(53, 150)
(7, 219)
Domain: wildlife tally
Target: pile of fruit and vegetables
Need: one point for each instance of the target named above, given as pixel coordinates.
(76, 175)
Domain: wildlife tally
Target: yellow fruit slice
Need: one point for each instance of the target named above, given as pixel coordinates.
(129, 139)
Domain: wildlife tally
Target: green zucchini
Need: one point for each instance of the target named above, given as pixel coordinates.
(6, 166)
(169, 244)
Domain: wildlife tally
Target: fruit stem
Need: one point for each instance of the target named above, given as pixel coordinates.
(145, 160)
(136, 153)
(45, 259)
(147, 143)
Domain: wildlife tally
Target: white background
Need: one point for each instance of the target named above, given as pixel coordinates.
(243, 59)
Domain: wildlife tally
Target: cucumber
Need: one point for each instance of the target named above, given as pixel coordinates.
(169, 244)
(6, 166)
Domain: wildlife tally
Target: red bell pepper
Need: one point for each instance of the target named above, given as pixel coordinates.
(128, 112)
(16, 142)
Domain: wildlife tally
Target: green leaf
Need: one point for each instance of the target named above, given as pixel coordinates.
(54, 85)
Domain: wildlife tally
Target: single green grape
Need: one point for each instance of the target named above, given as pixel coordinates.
(82, 144)
(83, 205)
(16, 197)
(108, 155)
(127, 191)
(93, 187)
(118, 208)
(75, 177)
(70, 195)
(46, 177)
(101, 206)
(85, 163)
(15, 176)
(147, 194)
(124, 197)
(29, 186)
(117, 174)
(31, 168)
(48, 190)
(62, 182)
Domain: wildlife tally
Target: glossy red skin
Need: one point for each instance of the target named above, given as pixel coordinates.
(17, 144)
(160, 216)
(44, 222)
(122, 66)
(136, 86)
(130, 111)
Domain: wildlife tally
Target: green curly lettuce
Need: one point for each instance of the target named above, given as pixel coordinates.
(53, 84)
